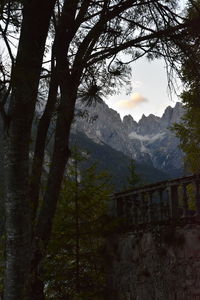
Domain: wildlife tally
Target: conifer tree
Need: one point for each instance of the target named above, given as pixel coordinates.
(189, 130)
(74, 264)
(133, 178)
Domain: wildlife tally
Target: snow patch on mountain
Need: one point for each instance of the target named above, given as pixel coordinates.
(143, 149)
(98, 133)
(149, 138)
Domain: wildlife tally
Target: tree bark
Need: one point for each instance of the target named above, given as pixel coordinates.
(68, 88)
(25, 81)
(77, 230)
(39, 151)
(60, 157)
(2, 183)
(68, 84)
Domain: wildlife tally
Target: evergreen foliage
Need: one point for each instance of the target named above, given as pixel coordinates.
(74, 266)
(189, 130)
(133, 178)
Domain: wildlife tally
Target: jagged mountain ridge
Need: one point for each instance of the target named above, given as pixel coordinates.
(114, 162)
(148, 141)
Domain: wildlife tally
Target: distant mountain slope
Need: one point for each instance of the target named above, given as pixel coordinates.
(150, 141)
(115, 162)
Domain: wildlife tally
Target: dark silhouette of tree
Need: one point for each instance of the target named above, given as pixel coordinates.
(133, 178)
(86, 39)
(189, 131)
(74, 266)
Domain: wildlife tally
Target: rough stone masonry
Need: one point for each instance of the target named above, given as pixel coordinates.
(163, 264)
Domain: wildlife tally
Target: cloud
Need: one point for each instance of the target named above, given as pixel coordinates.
(136, 99)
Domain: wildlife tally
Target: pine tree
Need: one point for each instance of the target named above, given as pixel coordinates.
(189, 130)
(74, 264)
(133, 178)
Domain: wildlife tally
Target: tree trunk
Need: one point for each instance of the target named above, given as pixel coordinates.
(77, 230)
(2, 183)
(60, 157)
(68, 84)
(25, 81)
(39, 151)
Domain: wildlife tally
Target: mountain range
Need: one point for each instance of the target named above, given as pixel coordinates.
(149, 142)
(112, 142)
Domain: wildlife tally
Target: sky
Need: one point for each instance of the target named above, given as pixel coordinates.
(150, 93)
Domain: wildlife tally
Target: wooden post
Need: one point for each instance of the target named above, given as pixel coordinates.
(128, 209)
(139, 209)
(173, 201)
(166, 205)
(120, 207)
(150, 206)
(160, 205)
(135, 209)
(197, 196)
(144, 208)
(185, 200)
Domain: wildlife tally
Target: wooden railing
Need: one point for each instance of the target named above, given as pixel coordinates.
(171, 200)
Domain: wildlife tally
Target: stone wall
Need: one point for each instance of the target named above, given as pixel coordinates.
(163, 264)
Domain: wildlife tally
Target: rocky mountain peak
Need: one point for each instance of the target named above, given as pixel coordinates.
(129, 123)
(128, 119)
(148, 141)
(148, 124)
(172, 115)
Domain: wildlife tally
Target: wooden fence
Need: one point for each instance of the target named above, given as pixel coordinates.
(171, 200)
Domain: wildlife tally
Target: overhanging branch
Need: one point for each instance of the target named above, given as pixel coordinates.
(168, 32)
